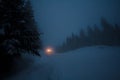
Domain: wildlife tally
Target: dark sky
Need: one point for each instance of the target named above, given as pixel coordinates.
(59, 18)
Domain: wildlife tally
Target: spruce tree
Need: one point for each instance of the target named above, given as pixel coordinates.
(21, 33)
(90, 37)
(116, 35)
(82, 38)
(18, 32)
(32, 42)
(107, 32)
(97, 35)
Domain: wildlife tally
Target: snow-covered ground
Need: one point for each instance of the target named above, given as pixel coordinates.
(91, 63)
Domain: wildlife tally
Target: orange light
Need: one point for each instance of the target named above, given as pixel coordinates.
(49, 51)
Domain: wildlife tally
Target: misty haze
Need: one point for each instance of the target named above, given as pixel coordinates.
(60, 40)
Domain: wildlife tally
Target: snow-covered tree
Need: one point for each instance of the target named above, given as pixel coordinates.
(20, 27)
(18, 31)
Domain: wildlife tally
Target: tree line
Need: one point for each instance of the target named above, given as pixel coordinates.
(108, 35)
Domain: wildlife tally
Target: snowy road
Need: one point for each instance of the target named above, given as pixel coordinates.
(92, 63)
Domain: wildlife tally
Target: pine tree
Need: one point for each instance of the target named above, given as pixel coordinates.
(90, 37)
(20, 27)
(68, 42)
(18, 31)
(116, 35)
(32, 42)
(82, 38)
(75, 40)
(107, 32)
(97, 34)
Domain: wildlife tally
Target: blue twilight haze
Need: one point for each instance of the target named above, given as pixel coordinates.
(59, 18)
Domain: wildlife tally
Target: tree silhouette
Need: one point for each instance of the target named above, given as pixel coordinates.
(20, 27)
(97, 35)
(90, 40)
(82, 38)
(107, 31)
(116, 35)
(109, 35)
(18, 32)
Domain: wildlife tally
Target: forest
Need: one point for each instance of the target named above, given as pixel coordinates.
(107, 34)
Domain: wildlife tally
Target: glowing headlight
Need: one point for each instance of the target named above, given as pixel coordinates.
(49, 50)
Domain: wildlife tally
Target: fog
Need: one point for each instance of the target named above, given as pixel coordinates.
(57, 19)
